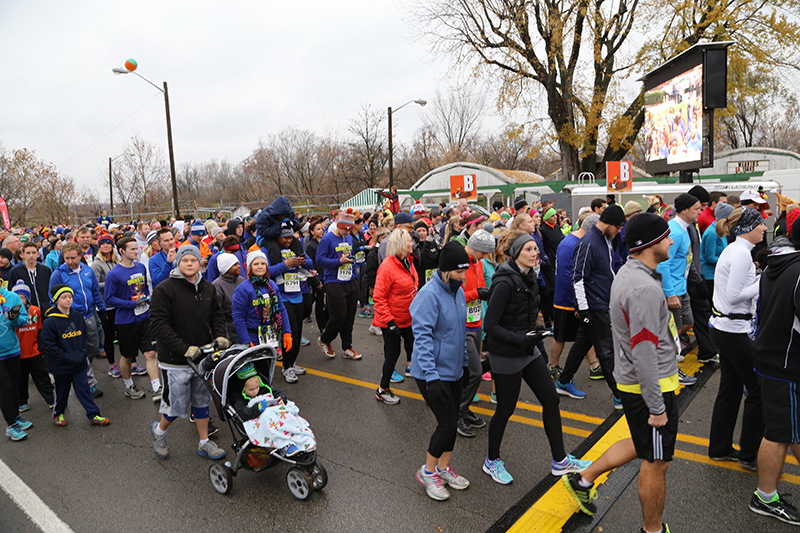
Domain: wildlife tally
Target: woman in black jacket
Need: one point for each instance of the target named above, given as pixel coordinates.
(316, 230)
(517, 352)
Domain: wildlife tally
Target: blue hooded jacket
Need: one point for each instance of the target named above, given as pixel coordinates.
(9, 343)
(268, 223)
(245, 317)
(64, 341)
(159, 268)
(439, 324)
(85, 286)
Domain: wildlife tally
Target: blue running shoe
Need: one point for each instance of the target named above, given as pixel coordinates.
(569, 465)
(14, 433)
(477, 398)
(24, 407)
(617, 404)
(304, 341)
(570, 390)
(494, 398)
(396, 377)
(497, 469)
(23, 424)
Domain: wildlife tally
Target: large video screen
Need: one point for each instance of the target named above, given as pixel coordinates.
(673, 124)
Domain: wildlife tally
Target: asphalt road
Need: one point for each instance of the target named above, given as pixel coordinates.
(104, 479)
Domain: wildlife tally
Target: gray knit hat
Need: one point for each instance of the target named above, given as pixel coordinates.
(482, 241)
(187, 249)
(590, 221)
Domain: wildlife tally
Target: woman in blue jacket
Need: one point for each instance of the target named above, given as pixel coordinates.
(12, 315)
(711, 245)
(257, 309)
(439, 318)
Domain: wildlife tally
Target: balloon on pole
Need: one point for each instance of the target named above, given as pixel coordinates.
(131, 65)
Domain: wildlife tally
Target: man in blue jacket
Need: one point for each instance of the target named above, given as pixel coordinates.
(592, 276)
(87, 296)
(162, 263)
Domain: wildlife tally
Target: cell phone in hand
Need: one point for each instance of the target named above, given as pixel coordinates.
(540, 332)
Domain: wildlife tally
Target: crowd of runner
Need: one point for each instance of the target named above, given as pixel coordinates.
(467, 297)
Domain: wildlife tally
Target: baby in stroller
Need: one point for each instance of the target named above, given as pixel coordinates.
(271, 421)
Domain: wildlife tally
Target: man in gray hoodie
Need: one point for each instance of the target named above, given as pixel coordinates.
(646, 371)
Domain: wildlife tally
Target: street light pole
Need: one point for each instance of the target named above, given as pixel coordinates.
(421, 103)
(176, 207)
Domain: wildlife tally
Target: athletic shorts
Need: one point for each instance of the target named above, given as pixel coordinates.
(651, 443)
(683, 314)
(134, 337)
(183, 389)
(779, 400)
(565, 325)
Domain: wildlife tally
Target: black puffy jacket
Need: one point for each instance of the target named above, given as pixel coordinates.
(512, 312)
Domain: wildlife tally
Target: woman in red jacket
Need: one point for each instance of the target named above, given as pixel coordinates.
(395, 288)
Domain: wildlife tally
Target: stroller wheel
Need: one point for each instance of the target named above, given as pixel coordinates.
(319, 475)
(300, 483)
(221, 478)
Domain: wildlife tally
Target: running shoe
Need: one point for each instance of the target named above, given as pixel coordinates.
(555, 372)
(24, 407)
(351, 354)
(298, 370)
(386, 396)
(778, 508)
(307, 320)
(732, 455)
(408, 371)
(433, 484)
(487, 376)
(396, 377)
(159, 442)
(569, 465)
(494, 398)
(596, 372)
(450, 477)
(291, 450)
(713, 359)
(211, 450)
(464, 429)
(22, 424)
(304, 341)
(137, 370)
(212, 429)
(749, 465)
(497, 469)
(60, 420)
(98, 420)
(685, 379)
(15, 433)
(366, 312)
(680, 357)
(474, 420)
(133, 392)
(617, 404)
(476, 398)
(114, 371)
(289, 375)
(375, 330)
(96, 393)
(327, 349)
(570, 390)
(583, 496)
(157, 394)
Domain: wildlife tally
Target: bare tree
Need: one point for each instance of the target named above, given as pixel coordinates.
(367, 155)
(453, 120)
(142, 179)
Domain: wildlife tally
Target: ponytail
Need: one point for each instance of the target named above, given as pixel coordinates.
(725, 226)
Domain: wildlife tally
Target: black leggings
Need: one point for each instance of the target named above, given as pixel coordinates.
(295, 312)
(507, 388)
(34, 367)
(109, 334)
(446, 413)
(9, 393)
(391, 351)
(320, 310)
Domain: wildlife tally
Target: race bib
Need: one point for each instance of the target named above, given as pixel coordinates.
(141, 309)
(429, 274)
(361, 258)
(345, 272)
(673, 329)
(688, 264)
(474, 311)
(267, 335)
(291, 282)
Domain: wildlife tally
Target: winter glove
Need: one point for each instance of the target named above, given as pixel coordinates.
(221, 343)
(437, 392)
(262, 405)
(192, 353)
(287, 342)
(585, 316)
(392, 326)
(13, 313)
(483, 293)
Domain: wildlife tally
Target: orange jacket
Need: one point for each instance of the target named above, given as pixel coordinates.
(205, 251)
(395, 289)
(471, 285)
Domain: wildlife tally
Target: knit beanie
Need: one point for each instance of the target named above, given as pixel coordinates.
(684, 201)
(519, 203)
(420, 224)
(699, 192)
(252, 256)
(198, 228)
(453, 257)
(613, 215)
(590, 221)
(794, 230)
(151, 236)
(216, 230)
(645, 230)
(481, 241)
(187, 249)
(518, 245)
(8, 254)
(724, 210)
(225, 262)
(497, 205)
(346, 220)
(403, 218)
(21, 289)
(105, 238)
(632, 207)
(791, 216)
(209, 225)
(418, 207)
(58, 290)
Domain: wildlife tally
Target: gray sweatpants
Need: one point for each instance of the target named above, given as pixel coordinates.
(475, 370)
(94, 342)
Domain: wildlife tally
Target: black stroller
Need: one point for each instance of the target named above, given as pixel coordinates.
(218, 369)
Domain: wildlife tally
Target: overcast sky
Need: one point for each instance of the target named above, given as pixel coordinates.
(235, 72)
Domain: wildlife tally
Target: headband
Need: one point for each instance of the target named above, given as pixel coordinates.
(474, 221)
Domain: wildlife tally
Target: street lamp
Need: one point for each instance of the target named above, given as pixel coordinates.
(165, 91)
(110, 183)
(422, 103)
